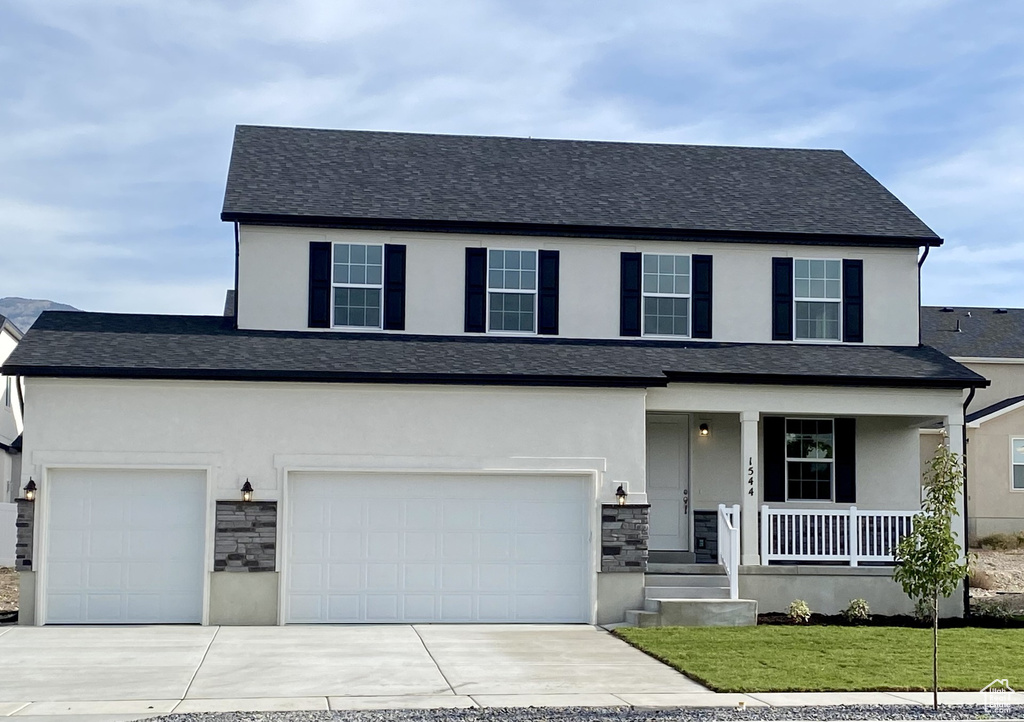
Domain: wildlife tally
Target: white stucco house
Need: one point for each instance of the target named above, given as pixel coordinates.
(450, 359)
(10, 444)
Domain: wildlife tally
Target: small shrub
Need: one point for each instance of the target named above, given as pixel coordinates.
(857, 612)
(1000, 541)
(991, 609)
(1020, 538)
(923, 611)
(980, 579)
(799, 612)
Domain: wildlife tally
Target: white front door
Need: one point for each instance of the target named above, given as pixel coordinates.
(437, 548)
(668, 482)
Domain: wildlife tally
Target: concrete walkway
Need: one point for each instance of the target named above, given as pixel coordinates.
(123, 673)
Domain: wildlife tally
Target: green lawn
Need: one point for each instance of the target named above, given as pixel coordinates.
(821, 658)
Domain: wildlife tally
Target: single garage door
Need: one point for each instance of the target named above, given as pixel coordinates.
(125, 546)
(422, 548)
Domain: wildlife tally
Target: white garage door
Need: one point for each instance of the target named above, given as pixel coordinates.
(125, 546)
(419, 548)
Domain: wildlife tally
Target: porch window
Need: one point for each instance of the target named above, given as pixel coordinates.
(666, 289)
(1017, 464)
(817, 296)
(810, 461)
(358, 285)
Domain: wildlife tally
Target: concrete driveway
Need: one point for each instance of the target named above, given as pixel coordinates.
(136, 671)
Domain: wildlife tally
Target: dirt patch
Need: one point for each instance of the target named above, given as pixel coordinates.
(1003, 575)
(8, 589)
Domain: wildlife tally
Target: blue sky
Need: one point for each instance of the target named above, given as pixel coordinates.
(116, 116)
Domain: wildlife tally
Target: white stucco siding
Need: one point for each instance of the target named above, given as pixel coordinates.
(274, 269)
(260, 431)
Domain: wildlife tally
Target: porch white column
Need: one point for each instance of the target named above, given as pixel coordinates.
(750, 476)
(956, 445)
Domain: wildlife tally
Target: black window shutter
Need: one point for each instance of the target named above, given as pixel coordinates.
(547, 292)
(629, 290)
(476, 290)
(319, 284)
(782, 299)
(394, 287)
(853, 300)
(700, 296)
(774, 433)
(845, 453)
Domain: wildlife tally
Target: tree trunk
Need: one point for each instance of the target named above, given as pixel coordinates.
(935, 650)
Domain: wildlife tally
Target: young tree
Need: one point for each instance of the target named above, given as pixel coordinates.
(930, 564)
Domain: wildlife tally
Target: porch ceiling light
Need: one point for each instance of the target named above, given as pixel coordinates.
(246, 491)
(704, 430)
(30, 490)
(620, 494)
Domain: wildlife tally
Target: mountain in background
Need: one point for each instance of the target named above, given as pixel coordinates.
(23, 312)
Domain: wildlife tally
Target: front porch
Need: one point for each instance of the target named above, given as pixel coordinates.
(804, 498)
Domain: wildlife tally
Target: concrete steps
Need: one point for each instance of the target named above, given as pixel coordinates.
(700, 613)
(690, 595)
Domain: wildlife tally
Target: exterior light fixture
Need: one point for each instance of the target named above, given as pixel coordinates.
(620, 494)
(246, 491)
(704, 430)
(30, 490)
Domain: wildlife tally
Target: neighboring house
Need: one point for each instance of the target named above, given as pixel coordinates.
(989, 341)
(447, 356)
(10, 443)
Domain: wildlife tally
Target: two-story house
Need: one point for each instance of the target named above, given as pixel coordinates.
(479, 379)
(989, 341)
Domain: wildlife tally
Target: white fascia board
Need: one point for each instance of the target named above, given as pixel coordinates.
(994, 415)
(986, 360)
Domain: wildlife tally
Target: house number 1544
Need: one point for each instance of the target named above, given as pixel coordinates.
(750, 476)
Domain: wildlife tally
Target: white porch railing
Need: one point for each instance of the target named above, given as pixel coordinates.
(729, 545)
(832, 535)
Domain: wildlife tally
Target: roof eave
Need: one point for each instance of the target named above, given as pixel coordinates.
(577, 231)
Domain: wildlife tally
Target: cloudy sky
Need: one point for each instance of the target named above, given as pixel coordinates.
(116, 116)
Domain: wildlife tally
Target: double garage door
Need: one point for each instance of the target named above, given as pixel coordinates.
(125, 546)
(415, 548)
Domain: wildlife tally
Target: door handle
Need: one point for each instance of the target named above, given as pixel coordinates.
(686, 501)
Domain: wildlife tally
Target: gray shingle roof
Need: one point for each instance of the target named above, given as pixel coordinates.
(415, 180)
(993, 408)
(207, 347)
(984, 332)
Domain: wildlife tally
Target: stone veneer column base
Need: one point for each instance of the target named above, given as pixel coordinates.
(625, 530)
(245, 539)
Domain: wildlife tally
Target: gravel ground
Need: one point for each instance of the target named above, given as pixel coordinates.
(8, 589)
(1004, 573)
(590, 714)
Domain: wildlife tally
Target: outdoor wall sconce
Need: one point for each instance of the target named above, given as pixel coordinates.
(704, 430)
(620, 494)
(30, 490)
(246, 491)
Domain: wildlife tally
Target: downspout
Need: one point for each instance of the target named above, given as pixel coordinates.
(236, 278)
(967, 581)
(21, 400)
(920, 262)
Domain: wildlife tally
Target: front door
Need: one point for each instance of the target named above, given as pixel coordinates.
(668, 482)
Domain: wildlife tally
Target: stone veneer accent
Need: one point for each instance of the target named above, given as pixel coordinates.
(245, 539)
(24, 545)
(705, 526)
(625, 531)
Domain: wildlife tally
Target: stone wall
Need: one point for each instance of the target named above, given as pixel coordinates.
(24, 545)
(625, 531)
(705, 535)
(245, 539)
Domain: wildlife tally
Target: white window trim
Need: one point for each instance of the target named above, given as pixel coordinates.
(804, 299)
(379, 286)
(1013, 442)
(832, 461)
(688, 296)
(535, 292)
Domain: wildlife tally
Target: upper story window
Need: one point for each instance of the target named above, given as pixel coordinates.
(357, 285)
(1017, 464)
(810, 459)
(512, 291)
(666, 292)
(817, 296)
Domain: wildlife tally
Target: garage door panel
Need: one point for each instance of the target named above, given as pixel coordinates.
(125, 546)
(423, 548)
